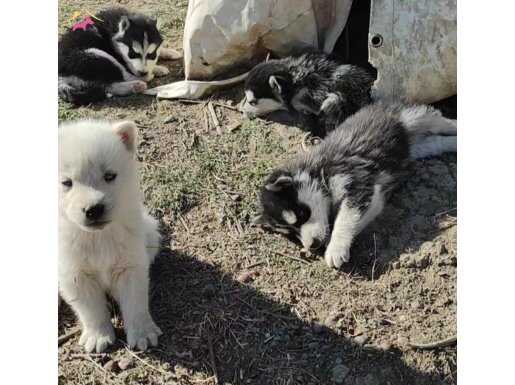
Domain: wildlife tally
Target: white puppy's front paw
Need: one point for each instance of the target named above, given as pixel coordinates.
(143, 331)
(337, 255)
(161, 71)
(97, 339)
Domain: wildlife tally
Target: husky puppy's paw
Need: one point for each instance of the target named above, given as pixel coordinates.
(97, 339)
(143, 331)
(139, 86)
(336, 255)
(161, 71)
(331, 104)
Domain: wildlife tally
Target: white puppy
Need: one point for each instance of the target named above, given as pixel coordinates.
(106, 238)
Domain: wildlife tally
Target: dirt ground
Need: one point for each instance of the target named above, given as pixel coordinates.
(238, 305)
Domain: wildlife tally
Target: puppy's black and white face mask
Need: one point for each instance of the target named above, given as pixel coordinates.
(265, 90)
(139, 41)
(295, 205)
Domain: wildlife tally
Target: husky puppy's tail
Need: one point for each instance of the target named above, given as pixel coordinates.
(430, 133)
(79, 92)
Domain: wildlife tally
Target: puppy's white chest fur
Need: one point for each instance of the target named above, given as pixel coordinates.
(103, 254)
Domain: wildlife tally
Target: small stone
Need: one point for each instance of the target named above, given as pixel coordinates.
(385, 346)
(402, 342)
(111, 366)
(247, 276)
(361, 339)
(125, 363)
(340, 371)
(332, 319)
(422, 261)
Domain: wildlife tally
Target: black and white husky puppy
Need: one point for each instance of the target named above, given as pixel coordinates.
(343, 182)
(321, 90)
(114, 53)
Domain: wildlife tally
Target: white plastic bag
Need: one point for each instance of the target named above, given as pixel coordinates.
(220, 34)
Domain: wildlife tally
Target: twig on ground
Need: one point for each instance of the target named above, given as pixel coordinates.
(375, 257)
(254, 265)
(206, 121)
(435, 345)
(446, 212)
(212, 358)
(98, 366)
(191, 101)
(87, 355)
(216, 122)
(292, 257)
(65, 337)
(144, 362)
(183, 222)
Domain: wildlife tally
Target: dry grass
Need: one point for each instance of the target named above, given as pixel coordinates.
(235, 303)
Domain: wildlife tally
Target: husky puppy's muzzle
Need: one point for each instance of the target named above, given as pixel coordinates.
(252, 107)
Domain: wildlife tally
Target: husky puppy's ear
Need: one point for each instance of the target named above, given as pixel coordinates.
(281, 182)
(124, 24)
(127, 131)
(275, 84)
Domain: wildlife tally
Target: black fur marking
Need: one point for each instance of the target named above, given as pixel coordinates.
(274, 203)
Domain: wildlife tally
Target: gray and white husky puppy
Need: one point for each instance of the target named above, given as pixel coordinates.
(107, 240)
(113, 54)
(326, 196)
(320, 90)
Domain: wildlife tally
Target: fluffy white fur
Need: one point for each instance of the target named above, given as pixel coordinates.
(113, 254)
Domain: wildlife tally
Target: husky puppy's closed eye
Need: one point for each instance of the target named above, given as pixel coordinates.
(106, 238)
(326, 196)
(114, 55)
(319, 89)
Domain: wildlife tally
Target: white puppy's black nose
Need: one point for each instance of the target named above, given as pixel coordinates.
(143, 73)
(94, 212)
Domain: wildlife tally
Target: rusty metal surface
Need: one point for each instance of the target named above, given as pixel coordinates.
(416, 58)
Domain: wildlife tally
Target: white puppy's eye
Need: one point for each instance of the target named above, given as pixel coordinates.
(67, 183)
(109, 176)
(253, 102)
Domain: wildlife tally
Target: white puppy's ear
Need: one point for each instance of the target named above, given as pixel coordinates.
(127, 131)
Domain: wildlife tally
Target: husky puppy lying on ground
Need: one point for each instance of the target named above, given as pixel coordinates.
(343, 183)
(111, 54)
(320, 90)
(106, 238)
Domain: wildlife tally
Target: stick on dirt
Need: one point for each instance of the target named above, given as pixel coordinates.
(435, 345)
(212, 358)
(65, 337)
(216, 122)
